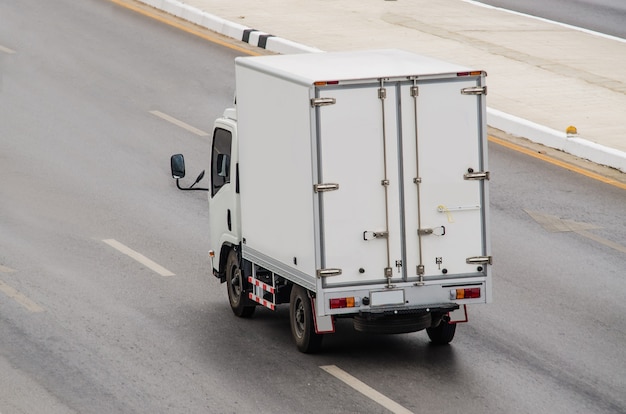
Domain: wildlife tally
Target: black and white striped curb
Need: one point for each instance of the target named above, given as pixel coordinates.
(236, 31)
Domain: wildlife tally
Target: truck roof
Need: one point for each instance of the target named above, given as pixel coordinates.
(308, 68)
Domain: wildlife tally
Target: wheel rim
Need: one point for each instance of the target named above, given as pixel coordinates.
(299, 318)
(235, 284)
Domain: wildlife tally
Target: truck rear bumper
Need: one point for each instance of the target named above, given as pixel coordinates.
(394, 322)
(402, 299)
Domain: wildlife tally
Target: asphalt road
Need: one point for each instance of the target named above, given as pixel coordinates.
(603, 16)
(84, 328)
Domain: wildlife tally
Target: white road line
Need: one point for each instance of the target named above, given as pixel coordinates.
(6, 50)
(179, 123)
(19, 298)
(365, 389)
(138, 257)
(530, 16)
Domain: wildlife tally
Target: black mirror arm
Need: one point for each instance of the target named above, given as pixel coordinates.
(200, 177)
(191, 188)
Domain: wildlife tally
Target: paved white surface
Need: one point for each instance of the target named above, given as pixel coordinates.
(543, 76)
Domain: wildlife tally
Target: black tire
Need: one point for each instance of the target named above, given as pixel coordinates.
(236, 287)
(442, 334)
(301, 320)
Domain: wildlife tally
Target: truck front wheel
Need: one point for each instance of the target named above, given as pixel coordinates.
(301, 320)
(235, 284)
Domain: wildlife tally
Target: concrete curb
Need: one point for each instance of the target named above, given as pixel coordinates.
(549, 137)
(511, 124)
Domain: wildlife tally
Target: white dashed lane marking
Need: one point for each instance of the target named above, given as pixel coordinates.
(4, 269)
(6, 50)
(179, 123)
(365, 389)
(155, 267)
(17, 296)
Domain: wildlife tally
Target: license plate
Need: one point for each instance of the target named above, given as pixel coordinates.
(387, 297)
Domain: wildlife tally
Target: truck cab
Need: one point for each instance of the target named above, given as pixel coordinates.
(223, 197)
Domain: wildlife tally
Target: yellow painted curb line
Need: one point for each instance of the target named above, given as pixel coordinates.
(558, 163)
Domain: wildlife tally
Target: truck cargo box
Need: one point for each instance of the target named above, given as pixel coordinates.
(364, 169)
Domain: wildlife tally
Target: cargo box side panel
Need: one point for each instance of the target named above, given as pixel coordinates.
(276, 179)
(446, 208)
(361, 232)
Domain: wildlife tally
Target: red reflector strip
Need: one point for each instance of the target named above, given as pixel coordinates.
(262, 301)
(264, 286)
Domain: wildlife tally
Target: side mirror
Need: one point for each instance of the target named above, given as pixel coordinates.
(177, 163)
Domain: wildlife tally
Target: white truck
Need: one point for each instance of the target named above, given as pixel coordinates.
(352, 185)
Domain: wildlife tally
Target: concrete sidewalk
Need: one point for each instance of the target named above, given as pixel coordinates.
(543, 77)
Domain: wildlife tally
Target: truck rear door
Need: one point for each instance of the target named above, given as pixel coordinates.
(358, 150)
(444, 188)
(404, 165)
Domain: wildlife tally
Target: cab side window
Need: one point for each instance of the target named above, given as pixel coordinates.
(220, 160)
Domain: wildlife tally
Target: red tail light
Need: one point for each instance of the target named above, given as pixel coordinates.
(349, 302)
(466, 293)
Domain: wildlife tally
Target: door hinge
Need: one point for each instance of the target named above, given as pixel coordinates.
(323, 101)
(319, 188)
(328, 272)
(480, 175)
(479, 260)
(474, 90)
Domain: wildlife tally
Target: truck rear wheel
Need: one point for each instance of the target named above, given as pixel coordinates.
(301, 320)
(442, 334)
(235, 284)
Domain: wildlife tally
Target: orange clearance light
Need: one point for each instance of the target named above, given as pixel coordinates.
(324, 83)
(472, 73)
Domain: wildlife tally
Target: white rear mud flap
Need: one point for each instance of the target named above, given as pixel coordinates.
(459, 315)
(323, 324)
